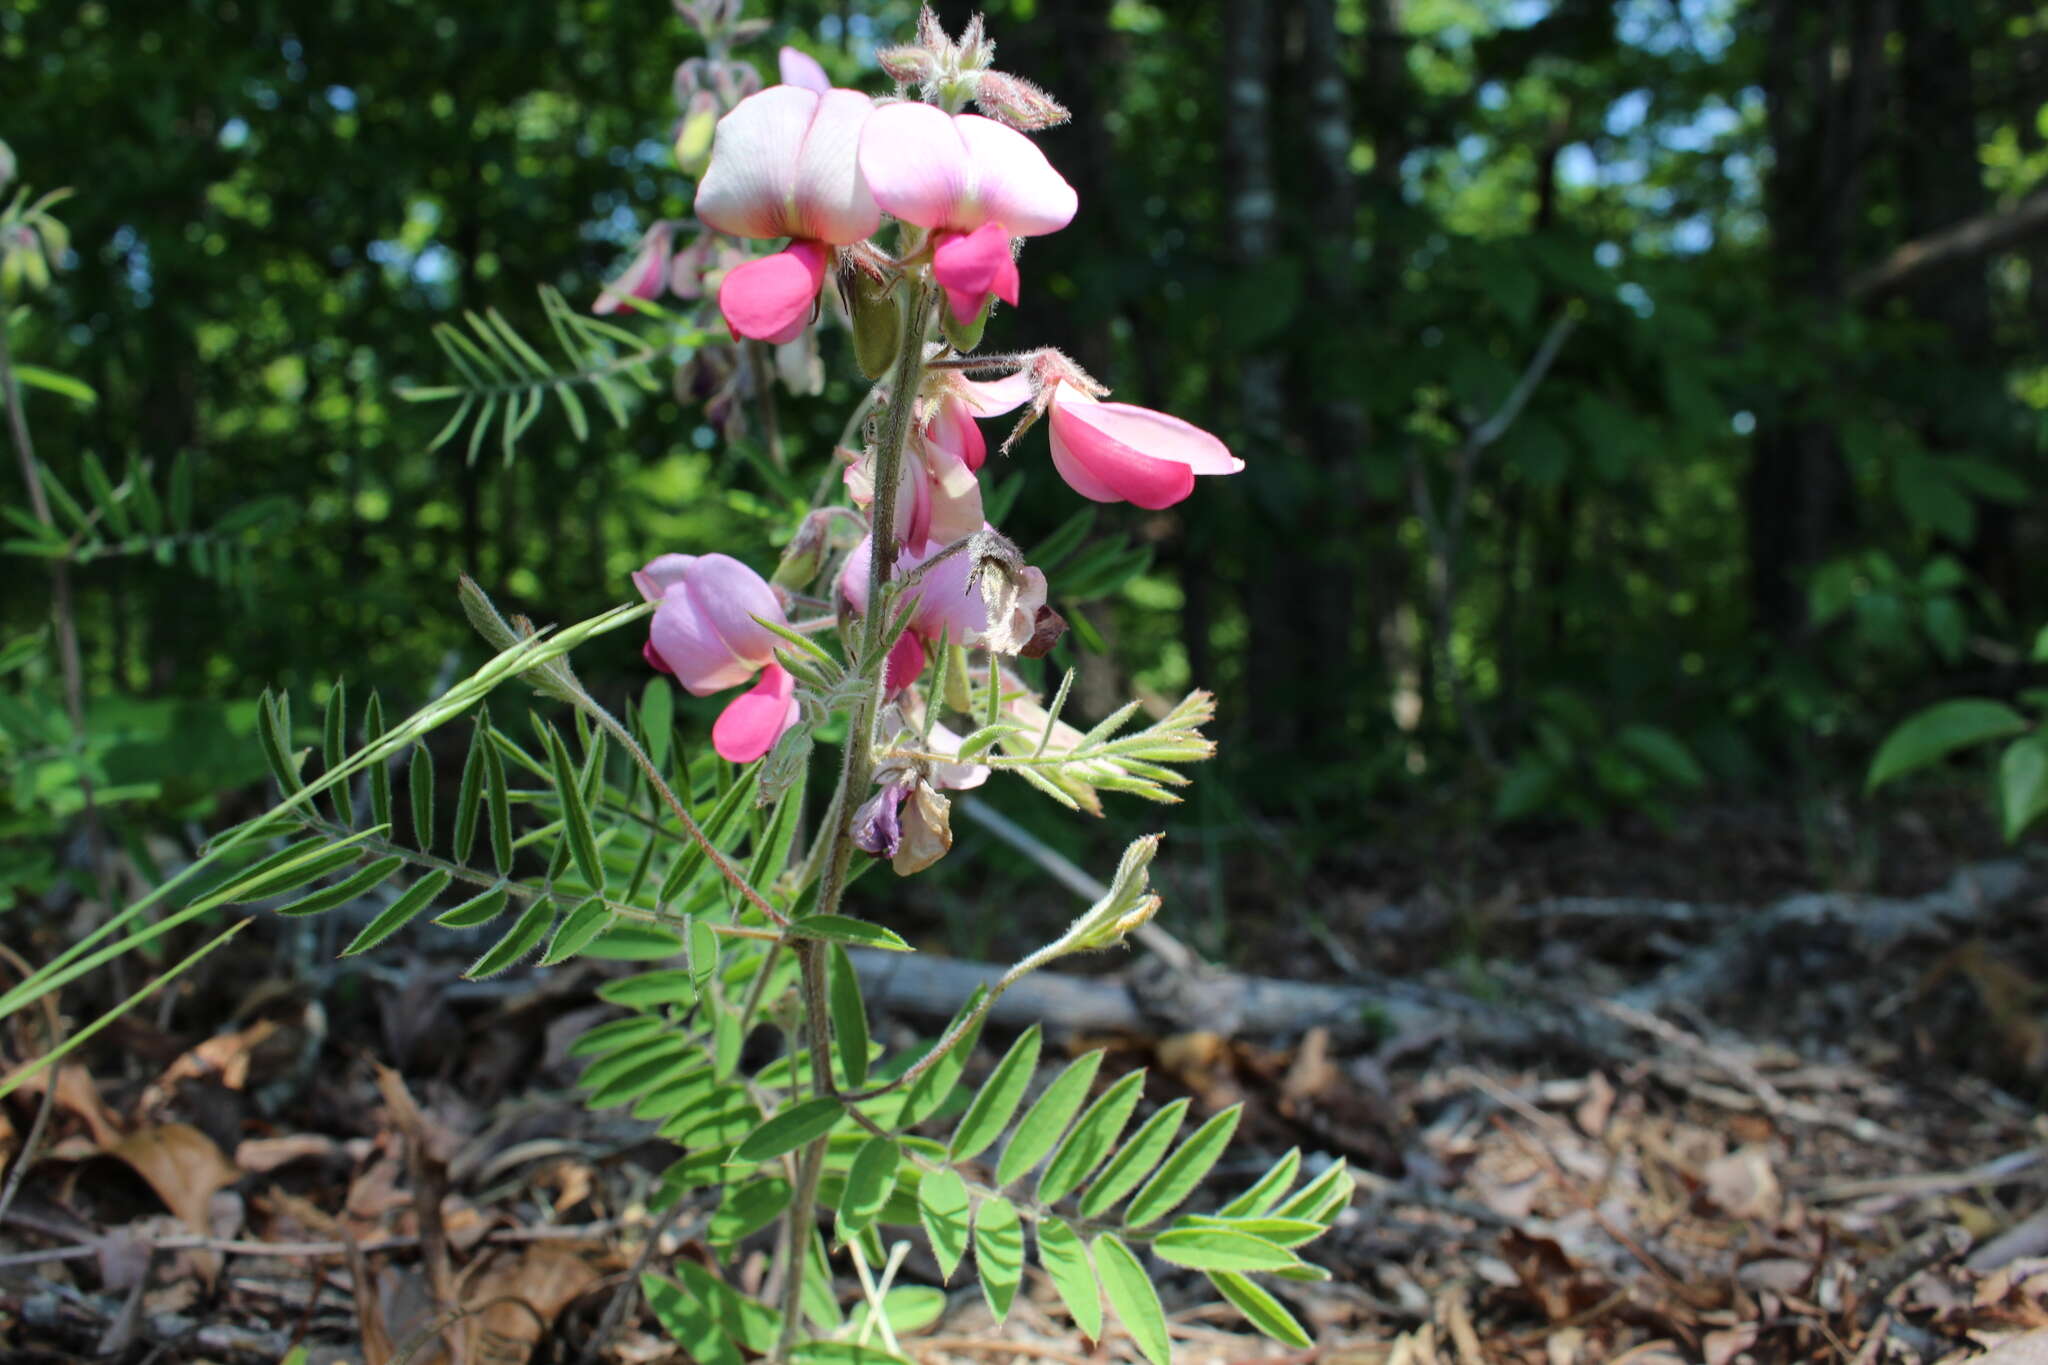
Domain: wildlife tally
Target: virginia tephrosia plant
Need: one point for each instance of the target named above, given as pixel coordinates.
(895, 618)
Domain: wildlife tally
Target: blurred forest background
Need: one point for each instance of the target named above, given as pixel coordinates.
(1772, 276)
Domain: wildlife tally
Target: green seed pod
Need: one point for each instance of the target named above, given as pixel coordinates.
(877, 322)
(964, 336)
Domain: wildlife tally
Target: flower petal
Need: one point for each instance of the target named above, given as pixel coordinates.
(653, 581)
(769, 298)
(953, 430)
(785, 163)
(750, 725)
(916, 164)
(952, 495)
(644, 277)
(1120, 452)
(971, 266)
(1015, 184)
(906, 662)
(994, 397)
(801, 68)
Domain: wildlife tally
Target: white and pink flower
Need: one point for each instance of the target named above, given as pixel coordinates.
(707, 633)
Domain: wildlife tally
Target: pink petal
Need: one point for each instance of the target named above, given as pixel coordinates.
(994, 397)
(801, 68)
(653, 581)
(906, 661)
(948, 604)
(732, 596)
(971, 266)
(653, 657)
(1114, 452)
(916, 164)
(749, 727)
(769, 298)
(952, 495)
(644, 277)
(1017, 186)
(785, 163)
(704, 629)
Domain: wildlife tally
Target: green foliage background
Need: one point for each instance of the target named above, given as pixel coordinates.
(1752, 515)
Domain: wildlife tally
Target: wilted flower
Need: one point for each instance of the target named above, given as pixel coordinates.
(707, 632)
(975, 183)
(956, 599)
(783, 164)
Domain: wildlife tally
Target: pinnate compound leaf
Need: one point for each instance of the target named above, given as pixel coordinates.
(1093, 1138)
(399, 913)
(849, 1017)
(859, 933)
(1937, 732)
(996, 1103)
(1135, 1161)
(1260, 1308)
(688, 1322)
(1131, 1294)
(747, 1321)
(1065, 1258)
(799, 1123)
(1214, 1248)
(998, 1253)
(522, 938)
(942, 1206)
(1176, 1179)
(870, 1180)
(1047, 1118)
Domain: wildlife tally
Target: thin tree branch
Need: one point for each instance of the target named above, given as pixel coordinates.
(1967, 240)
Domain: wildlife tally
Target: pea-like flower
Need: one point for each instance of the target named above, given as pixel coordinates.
(975, 183)
(647, 274)
(1000, 610)
(784, 163)
(1119, 452)
(707, 633)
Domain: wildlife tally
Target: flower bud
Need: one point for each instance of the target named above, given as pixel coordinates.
(877, 320)
(1128, 903)
(693, 135)
(1017, 102)
(806, 552)
(964, 336)
(908, 65)
(6, 164)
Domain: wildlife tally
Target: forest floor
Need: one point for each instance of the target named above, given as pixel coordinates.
(1655, 1096)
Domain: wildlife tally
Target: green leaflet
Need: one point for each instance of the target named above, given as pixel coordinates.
(845, 929)
(421, 782)
(467, 799)
(1135, 1161)
(998, 1253)
(751, 1324)
(718, 827)
(942, 1206)
(689, 1322)
(399, 913)
(584, 923)
(1214, 1248)
(498, 799)
(997, 1100)
(1260, 1308)
(342, 892)
(1177, 1179)
(849, 1017)
(870, 1180)
(703, 954)
(1283, 1232)
(1267, 1190)
(1320, 1200)
(1093, 1138)
(1131, 1294)
(747, 1209)
(650, 990)
(799, 1123)
(522, 938)
(931, 1091)
(615, 1034)
(1065, 1258)
(1047, 1119)
(380, 771)
(481, 908)
(576, 824)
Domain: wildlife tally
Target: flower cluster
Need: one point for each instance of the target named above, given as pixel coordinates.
(916, 213)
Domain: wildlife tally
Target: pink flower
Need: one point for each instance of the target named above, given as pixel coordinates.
(706, 634)
(1118, 452)
(784, 164)
(645, 276)
(801, 68)
(975, 183)
(952, 425)
(948, 606)
(938, 499)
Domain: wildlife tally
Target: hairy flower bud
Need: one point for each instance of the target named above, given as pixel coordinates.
(1017, 102)
(908, 65)
(806, 552)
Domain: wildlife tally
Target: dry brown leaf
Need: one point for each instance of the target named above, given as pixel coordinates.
(1598, 1106)
(1743, 1185)
(77, 1094)
(516, 1298)
(186, 1170)
(267, 1154)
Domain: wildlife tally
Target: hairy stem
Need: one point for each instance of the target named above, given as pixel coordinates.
(855, 773)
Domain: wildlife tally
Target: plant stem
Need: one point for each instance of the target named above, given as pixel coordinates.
(857, 769)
